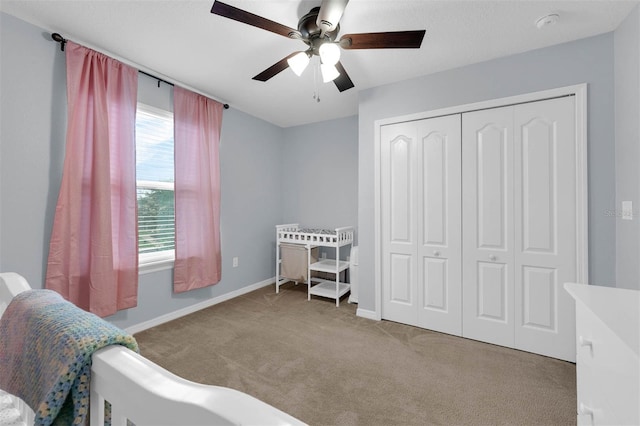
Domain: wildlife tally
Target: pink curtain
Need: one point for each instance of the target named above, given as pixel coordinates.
(197, 123)
(93, 254)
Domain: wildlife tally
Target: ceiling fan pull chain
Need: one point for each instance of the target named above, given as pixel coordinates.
(315, 86)
(316, 92)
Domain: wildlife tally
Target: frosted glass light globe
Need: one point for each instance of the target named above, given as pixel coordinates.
(329, 72)
(329, 53)
(298, 62)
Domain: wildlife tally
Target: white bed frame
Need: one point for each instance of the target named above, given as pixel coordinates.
(340, 237)
(153, 395)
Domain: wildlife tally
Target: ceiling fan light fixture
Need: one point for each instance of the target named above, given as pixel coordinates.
(329, 53)
(329, 72)
(298, 62)
(319, 29)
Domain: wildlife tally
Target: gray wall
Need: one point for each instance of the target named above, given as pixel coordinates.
(33, 108)
(320, 167)
(584, 61)
(627, 125)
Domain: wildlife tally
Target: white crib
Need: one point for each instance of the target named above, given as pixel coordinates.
(312, 238)
(145, 393)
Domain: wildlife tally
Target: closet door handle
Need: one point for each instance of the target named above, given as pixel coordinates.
(493, 258)
(436, 253)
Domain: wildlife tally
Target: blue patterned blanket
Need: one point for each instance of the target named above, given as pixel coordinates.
(45, 354)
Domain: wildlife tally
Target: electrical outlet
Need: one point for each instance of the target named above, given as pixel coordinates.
(627, 210)
(235, 262)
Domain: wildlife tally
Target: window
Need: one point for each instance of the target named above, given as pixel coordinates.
(155, 186)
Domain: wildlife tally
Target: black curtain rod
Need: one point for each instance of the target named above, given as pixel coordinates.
(59, 39)
(157, 78)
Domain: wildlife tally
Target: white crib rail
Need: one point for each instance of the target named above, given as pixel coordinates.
(155, 396)
(147, 394)
(11, 284)
(291, 233)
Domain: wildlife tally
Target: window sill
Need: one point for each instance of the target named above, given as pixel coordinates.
(154, 262)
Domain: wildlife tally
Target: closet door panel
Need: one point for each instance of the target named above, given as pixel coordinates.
(434, 188)
(401, 269)
(434, 283)
(439, 223)
(491, 174)
(399, 222)
(539, 298)
(487, 188)
(492, 291)
(401, 191)
(538, 187)
(545, 211)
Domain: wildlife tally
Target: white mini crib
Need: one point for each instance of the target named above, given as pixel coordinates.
(291, 235)
(144, 392)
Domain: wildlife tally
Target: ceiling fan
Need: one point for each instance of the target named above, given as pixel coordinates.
(318, 29)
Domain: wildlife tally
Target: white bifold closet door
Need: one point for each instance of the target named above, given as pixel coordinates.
(478, 224)
(487, 200)
(421, 216)
(519, 239)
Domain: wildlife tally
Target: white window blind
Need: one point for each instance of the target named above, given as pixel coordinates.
(155, 184)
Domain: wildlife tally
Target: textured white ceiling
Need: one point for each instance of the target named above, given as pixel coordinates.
(183, 42)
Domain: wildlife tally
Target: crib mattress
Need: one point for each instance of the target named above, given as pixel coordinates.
(317, 231)
(317, 236)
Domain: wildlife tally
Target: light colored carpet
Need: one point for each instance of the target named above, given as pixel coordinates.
(326, 366)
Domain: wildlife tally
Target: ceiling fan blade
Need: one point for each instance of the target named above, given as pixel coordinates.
(388, 40)
(249, 18)
(274, 69)
(330, 13)
(343, 82)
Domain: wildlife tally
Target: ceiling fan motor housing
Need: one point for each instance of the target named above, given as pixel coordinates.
(330, 14)
(312, 33)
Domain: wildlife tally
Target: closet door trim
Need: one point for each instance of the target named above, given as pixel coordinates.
(582, 242)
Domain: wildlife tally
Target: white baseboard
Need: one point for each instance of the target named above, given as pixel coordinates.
(365, 313)
(198, 306)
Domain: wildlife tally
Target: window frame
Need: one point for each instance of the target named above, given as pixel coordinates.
(159, 260)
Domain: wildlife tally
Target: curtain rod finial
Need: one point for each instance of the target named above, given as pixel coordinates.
(59, 39)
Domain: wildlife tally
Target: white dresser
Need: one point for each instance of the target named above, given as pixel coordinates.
(608, 354)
